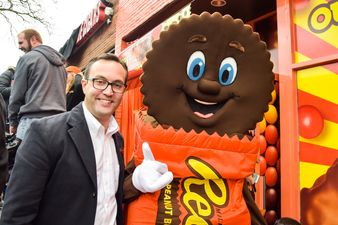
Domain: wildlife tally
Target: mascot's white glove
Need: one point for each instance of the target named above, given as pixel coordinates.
(151, 175)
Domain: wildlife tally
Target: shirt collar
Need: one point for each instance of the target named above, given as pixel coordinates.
(94, 125)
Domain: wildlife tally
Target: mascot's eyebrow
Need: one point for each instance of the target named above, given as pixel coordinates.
(197, 38)
(237, 45)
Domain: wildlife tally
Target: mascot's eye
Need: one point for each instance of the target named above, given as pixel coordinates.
(227, 71)
(196, 65)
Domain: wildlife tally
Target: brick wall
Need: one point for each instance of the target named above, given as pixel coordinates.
(102, 41)
(132, 13)
(128, 15)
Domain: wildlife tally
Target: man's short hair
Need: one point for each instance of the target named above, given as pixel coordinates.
(29, 33)
(105, 56)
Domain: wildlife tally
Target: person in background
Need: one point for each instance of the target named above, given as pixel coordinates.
(3, 149)
(286, 221)
(74, 93)
(6, 79)
(69, 170)
(39, 83)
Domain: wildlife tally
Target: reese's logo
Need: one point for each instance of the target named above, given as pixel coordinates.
(203, 194)
(194, 200)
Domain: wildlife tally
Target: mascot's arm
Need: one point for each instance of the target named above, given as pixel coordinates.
(255, 214)
(129, 191)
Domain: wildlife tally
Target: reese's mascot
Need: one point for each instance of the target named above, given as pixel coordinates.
(206, 83)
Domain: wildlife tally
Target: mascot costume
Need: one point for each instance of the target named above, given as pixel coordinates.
(206, 84)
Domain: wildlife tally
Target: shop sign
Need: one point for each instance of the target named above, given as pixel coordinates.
(92, 23)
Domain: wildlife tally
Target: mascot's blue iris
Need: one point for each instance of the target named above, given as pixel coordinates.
(227, 71)
(196, 65)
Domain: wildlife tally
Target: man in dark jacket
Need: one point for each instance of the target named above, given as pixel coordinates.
(39, 83)
(69, 170)
(6, 79)
(3, 149)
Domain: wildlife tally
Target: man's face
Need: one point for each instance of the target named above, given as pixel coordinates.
(102, 104)
(24, 45)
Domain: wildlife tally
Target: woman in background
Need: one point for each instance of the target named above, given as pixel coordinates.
(74, 91)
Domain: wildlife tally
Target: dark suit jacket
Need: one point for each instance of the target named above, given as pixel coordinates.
(54, 177)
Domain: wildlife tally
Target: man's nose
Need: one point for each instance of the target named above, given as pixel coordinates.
(109, 89)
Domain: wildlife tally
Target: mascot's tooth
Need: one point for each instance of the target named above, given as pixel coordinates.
(205, 103)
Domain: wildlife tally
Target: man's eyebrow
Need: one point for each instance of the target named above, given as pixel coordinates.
(197, 38)
(237, 45)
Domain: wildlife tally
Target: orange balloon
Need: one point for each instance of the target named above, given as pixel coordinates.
(271, 217)
(271, 134)
(273, 96)
(311, 122)
(262, 165)
(262, 144)
(271, 155)
(271, 198)
(262, 126)
(271, 115)
(271, 176)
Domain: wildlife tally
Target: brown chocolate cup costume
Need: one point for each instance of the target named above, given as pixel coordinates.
(208, 73)
(211, 76)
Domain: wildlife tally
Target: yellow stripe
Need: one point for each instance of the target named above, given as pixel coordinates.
(320, 82)
(299, 57)
(309, 172)
(327, 138)
(302, 19)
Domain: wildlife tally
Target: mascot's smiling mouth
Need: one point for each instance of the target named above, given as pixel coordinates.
(204, 109)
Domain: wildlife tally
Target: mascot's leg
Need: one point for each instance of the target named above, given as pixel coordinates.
(256, 216)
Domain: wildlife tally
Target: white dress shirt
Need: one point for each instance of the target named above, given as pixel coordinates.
(107, 168)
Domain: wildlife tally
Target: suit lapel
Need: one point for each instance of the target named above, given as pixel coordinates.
(80, 134)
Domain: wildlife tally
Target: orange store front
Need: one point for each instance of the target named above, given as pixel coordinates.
(299, 152)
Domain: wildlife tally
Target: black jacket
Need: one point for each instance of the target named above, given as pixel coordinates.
(3, 149)
(5, 84)
(54, 176)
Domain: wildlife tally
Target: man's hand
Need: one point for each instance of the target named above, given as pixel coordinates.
(151, 175)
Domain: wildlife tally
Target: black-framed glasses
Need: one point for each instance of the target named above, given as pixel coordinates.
(101, 84)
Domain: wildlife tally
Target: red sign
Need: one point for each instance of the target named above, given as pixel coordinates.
(92, 23)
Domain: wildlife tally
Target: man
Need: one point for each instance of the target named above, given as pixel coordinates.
(69, 169)
(6, 79)
(39, 83)
(3, 149)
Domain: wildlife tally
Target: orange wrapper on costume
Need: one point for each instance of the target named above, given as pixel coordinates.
(209, 173)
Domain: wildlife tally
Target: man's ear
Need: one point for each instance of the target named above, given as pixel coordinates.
(84, 82)
(34, 41)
